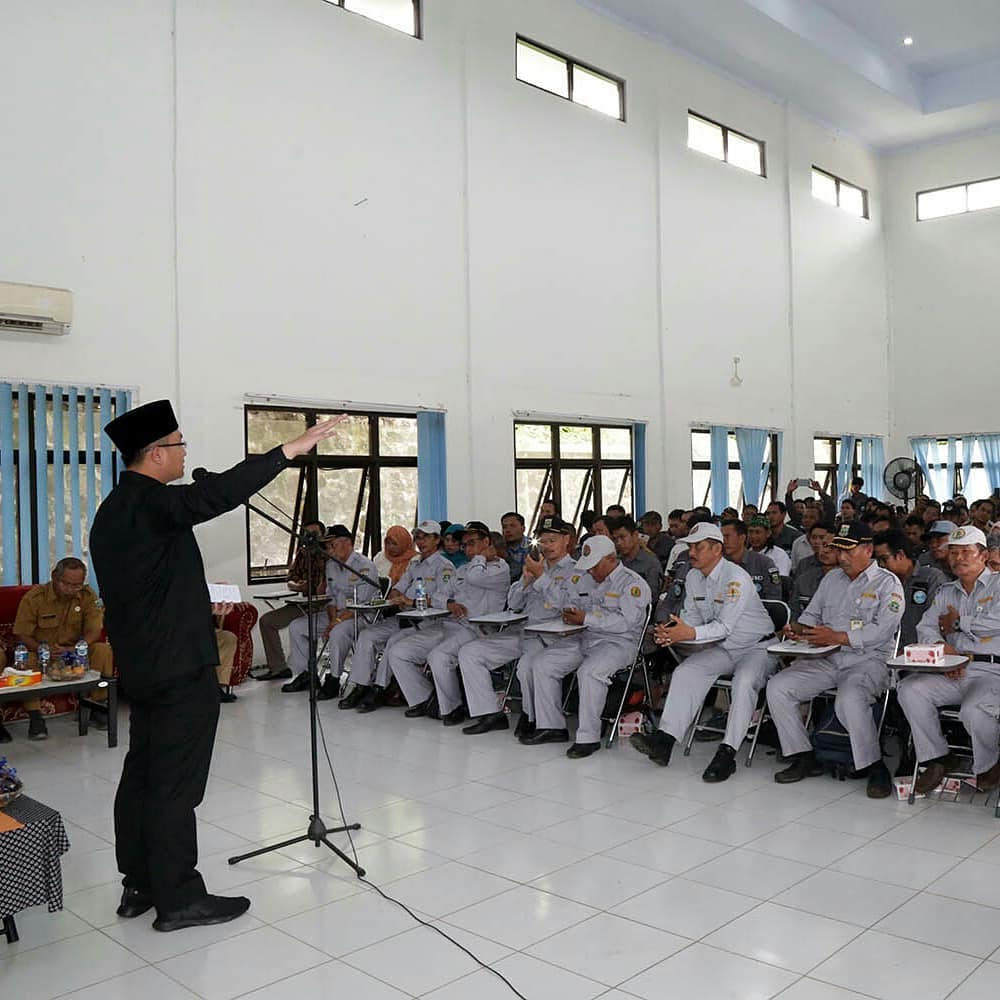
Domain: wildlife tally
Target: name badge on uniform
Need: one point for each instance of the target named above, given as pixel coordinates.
(857, 624)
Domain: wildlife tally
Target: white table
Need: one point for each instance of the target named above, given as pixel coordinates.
(555, 629)
(799, 647)
(419, 617)
(273, 600)
(499, 619)
(950, 662)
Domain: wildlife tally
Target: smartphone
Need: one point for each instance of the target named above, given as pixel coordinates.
(804, 482)
(535, 552)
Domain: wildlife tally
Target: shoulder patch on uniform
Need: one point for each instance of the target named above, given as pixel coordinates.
(575, 578)
(733, 590)
(636, 592)
(894, 606)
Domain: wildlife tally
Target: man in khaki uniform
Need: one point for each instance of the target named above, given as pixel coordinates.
(60, 613)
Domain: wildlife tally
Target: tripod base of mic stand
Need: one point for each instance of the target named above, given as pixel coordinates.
(318, 834)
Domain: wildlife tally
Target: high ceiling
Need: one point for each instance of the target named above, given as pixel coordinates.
(844, 61)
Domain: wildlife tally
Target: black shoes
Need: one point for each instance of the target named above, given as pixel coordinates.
(208, 910)
(374, 698)
(226, 696)
(5, 736)
(37, 729)
(717, 721)
(455, 717)
(657, 745)
(419, 711)
(723, 765)
(273, 675)
(803, 765)
(300, 683)
(135, 902)
(580, 750)
(329, 689)
(354, 699)
(525, 728)
(541, 736)
(879, 781)
(487, 724)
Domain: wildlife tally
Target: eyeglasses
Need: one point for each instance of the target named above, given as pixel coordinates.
(176, 444)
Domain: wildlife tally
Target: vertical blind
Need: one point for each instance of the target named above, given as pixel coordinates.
(56, 465)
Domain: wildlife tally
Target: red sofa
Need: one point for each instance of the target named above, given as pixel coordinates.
(239, 621)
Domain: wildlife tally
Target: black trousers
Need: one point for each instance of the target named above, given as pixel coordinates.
(163, 780)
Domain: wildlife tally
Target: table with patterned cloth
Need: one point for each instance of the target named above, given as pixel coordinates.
(30, 871)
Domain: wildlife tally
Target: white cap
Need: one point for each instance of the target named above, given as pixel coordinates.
(967, 536)
(429, 527)
(703, 532)
(595, 549)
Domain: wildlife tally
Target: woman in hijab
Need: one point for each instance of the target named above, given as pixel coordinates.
(397, 551)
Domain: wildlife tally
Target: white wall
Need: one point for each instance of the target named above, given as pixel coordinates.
(349, 199)
(945, 296)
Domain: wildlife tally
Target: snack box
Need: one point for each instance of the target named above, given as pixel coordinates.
(928, 654)
(19, 678)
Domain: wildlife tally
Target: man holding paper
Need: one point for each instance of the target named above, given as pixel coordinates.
(158, 618)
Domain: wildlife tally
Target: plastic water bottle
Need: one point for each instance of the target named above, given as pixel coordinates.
(420, 600)
(44, 657)
(20, 656)
(82, 653)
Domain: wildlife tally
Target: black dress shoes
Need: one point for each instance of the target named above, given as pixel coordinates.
(578, 750)
(226, 696)
(657, 745)
(273, 675)
(524, 728)
(208, 910)
(419, 711)
(803, 765)
(135, 902)
(879, 781)
(487, 724)
(374, 699)
(299, 683)
(723, 765)
(455, 717)
(329, 689)
(354, 698)
(541, 736)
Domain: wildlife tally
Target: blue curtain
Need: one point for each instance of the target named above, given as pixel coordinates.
(990, 445)
(432, 467)
(968, 443)
(719, 460)
(925, 452)
(872, 466)
(844, 465)
(40, 411)
(751, 444)
(639, 468)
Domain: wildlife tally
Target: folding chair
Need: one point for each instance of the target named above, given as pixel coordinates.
(637, 660)
(781, 615)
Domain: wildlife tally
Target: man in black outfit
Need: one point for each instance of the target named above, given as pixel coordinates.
(158, 618)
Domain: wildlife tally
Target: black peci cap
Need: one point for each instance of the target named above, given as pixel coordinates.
(133, 431)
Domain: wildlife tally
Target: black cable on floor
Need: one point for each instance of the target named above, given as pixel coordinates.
(385, 895)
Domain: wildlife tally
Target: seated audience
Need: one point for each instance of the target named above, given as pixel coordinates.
(614, 510)
(761, 540)
(549, 508)
(920, 583)
(451, 545)
(721, 603)
(783, 535)
(938, 538)
(762, 572)
(857, 607)
(658, 541)
(634, 556)
(397, 552)
(518, 544)
(993, 552)
(811, 571)
(226, 642)
(913, 527)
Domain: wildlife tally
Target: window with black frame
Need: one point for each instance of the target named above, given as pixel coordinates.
(365, 476)
(826, 461)
(701, 470)
(580, 466)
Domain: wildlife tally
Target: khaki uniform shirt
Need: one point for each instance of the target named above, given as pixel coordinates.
(45, 617)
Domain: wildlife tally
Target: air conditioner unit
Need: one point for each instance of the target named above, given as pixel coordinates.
(35, 309)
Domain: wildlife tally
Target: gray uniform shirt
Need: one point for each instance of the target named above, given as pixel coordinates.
(615, 608)
(724, 605)
(804, 586)
(480, 585)
(978, 627)
(341, 583)
(763, 573)
(868, 608)
(919, 591)
(648, 567)
(543, 599)
(435, 570)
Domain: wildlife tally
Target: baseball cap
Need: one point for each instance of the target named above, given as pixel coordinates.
(704, 531)
(595, 549)
(556, 524)
(851, 535)
(455, 529)
(338, 531)
(967, 536)
(428, 528)
(478, 527)
(941, 528)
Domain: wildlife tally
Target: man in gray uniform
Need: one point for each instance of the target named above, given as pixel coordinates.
(762, 572)
(477, 587)
(857, 607)
(721, 604)
(894, 552)
(658, 541)
(428, 566)
(965, 613)
(542, 591)
(614, 613)
(625, 535)
(811, 571)
(343, 587)
(938, 538)
(783, 535)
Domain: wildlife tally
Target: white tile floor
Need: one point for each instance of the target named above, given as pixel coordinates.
(607, 877)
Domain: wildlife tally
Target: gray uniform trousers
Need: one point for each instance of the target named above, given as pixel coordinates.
(270, 626)
(476, 659)
(858, 687)
(407, 656)
(594, 668)
(338, 646)
(691, 681)
(443, 663)
(380, 636)
(978, 694)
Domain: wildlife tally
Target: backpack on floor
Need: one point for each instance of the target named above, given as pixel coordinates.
(832, 745)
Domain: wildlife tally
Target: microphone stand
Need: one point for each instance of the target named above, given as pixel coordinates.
(318, 832)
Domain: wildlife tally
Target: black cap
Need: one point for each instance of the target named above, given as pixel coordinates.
(477, 526)
(556, 524)
(851, 535)
(133, 431)
(338, 531)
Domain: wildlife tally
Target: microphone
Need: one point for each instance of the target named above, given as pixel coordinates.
(200, 473)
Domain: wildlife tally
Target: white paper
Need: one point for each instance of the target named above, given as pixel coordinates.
(224, 593)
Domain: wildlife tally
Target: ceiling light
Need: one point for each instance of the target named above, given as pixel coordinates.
(908, 40)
